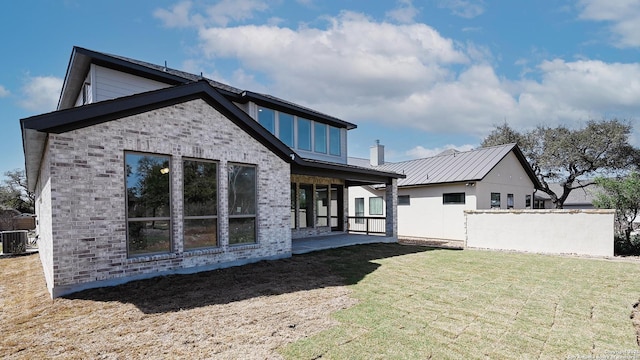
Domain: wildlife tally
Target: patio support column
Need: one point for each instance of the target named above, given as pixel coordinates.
(391, 203)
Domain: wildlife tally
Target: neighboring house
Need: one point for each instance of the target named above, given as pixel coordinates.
(144, 170)
(436, 191)
(578, 198)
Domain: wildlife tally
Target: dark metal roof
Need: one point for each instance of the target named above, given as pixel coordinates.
(452, 167)
(35, 128)
(81, 58)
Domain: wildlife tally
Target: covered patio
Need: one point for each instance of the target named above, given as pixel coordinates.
(336, 240)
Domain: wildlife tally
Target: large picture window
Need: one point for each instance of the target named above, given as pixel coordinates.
(242, 204)
(148, 203)
(200, 204)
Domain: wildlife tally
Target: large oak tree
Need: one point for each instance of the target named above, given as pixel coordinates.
(570, 157)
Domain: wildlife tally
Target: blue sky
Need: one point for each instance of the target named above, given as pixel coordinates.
(420, 76)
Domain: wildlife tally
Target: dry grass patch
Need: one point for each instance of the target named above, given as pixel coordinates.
(243, 312)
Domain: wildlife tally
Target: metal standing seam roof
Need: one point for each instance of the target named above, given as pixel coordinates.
(471, 165)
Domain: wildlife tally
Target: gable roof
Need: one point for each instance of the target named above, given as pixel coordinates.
(36, 128)
(82, 58)
(458, 166)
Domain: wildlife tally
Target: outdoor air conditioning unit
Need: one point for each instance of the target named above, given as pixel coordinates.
(14, 242)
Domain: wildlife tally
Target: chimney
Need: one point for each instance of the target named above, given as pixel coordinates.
(376, 154)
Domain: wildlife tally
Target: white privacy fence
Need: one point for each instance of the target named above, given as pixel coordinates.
(584, 232)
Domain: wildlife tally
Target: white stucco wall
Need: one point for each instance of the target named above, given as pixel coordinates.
(585, 232)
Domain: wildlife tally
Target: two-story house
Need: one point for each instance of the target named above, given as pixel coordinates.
(144, 170)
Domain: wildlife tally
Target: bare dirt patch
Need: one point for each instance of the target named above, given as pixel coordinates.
(241, 312)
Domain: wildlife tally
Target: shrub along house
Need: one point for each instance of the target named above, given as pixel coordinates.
(145, 170)
(436, 191)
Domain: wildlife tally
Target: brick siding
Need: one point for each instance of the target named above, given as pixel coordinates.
(84, 243)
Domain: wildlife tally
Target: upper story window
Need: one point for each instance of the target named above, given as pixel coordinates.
(285, 130)
(304, 134)
(335, 141)
(267, 118)
(320, 138)
(300, 133)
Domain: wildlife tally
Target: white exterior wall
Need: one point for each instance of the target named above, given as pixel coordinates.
(428, 217)
(88, 240)
(508, 177)
(585, 232)
(107, 84)
(364, 192)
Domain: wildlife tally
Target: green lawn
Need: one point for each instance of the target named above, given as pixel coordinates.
(416, 303)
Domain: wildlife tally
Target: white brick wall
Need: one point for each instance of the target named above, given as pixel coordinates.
(88, 227)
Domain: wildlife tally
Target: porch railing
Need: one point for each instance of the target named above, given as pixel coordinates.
(368, 224)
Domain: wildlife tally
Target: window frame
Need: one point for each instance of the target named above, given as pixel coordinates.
(318, 219)
(454, 198)
(510, 201)
(404, 203)
(320, 137)
(309, 218)
(146, 219)
(271, 127)
(254, 215)
(491, 200)
(381, 206)
(201, 217)
(306, 136)
(335, 149)
(359, 213)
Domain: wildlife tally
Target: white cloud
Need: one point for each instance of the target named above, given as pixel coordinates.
(226, 11)
(41, 93)
(410, 76)
(464, 8)
(4, 92)
(178, 16)
(405, 13)
(222, 13)
(623, 15)
(419, 152)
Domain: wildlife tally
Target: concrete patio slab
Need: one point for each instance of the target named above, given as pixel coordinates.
(316, 243)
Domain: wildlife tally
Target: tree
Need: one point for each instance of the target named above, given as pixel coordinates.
(567, 156)
(14, 192)
(622, 194)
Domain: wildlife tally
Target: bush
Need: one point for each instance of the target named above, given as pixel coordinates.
(622, 247)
